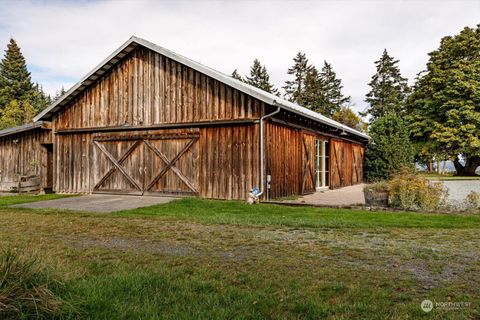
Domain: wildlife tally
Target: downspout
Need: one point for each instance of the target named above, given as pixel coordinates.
(262, 150)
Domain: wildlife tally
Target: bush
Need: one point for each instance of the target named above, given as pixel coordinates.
(389, 149)
(409, 191)
(380, 186)
(473, 201)
(26, 288)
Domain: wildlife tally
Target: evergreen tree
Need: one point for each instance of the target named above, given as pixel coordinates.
(323, 91)
(313, 95)
(334, 99)
(61, 92)
(20, 98)
(15, 80)
(260, 78)
(39, 99)
(235, 75)
(389, 149)
(388, 88)
(295, 89)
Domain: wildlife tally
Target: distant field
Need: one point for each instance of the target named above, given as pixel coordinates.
(203, 259)
(449, 176)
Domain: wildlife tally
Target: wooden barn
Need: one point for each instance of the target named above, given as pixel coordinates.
(147, 121)
(26, 150)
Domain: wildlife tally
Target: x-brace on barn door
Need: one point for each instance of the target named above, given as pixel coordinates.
(147, 164)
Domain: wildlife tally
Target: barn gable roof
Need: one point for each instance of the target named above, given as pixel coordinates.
(134, 42)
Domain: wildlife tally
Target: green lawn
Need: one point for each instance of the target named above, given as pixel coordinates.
(235, 212)
(201, 259)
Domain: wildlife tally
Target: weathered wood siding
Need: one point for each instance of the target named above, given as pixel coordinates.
(229, 161)
(346, 163)
(217, 162)
(146, 88)
(283, 151)
(23, 154)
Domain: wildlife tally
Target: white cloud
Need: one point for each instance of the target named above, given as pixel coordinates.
(62, 41)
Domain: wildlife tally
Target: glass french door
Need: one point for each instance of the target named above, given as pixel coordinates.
(322, 164)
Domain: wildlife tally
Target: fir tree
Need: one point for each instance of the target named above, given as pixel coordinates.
(295, 89)
(333, 98)
(60, 93)
(20, 98)
(39, 99)
(234, 75)
(15, 80)
(313, 92)
(260, 78)
(323, 91)
(388, 88)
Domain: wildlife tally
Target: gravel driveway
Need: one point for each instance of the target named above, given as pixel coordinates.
(459, 189)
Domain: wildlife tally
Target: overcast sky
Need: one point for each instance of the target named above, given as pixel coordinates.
(62, 41)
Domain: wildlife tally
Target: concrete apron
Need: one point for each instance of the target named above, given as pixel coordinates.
(102, 203)
(343, 197)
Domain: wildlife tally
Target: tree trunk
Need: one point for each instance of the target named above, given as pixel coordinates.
(430, 166)
(469, 168)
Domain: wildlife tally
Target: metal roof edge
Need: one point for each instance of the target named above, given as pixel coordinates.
(25, 127)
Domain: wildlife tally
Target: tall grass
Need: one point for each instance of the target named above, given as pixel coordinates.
(27, 288)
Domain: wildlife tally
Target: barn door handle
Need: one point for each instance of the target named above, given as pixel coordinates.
(145, 170)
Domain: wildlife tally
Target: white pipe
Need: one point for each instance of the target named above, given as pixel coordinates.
(262, 150)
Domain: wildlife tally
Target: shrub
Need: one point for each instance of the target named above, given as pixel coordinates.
(380, 186)
(26, 288)
(389, 149)
(409, 191)
(473, 201)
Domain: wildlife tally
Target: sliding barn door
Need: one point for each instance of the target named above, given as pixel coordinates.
(308, 163)
(150, 164)
(357, 171)
(171, 165)
(346, 163)
(337, 164)
(119, 165)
